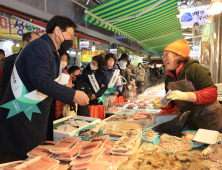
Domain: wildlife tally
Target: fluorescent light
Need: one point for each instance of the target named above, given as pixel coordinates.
(187, 26)
(216, 7)
(178, 15)
(93, 48)
(67, 52)
(190, 44)
(187, 37)
(17, 45)
(12, 43)
(186, 33)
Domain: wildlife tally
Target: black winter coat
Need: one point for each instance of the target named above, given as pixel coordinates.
(38, 66)
(83, 86)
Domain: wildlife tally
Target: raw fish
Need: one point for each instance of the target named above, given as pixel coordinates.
(65, 144)
(63, 166)
(39, 152)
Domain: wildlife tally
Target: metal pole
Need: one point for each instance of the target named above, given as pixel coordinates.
(45, 5)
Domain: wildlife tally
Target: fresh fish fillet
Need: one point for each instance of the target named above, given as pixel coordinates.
(91, 147)
(39, 152)
(76, 149)
(100, 138)
(82, 166)
(82, 160)
(63, 166)
(100, 165)
(13, 164)
(65, 144)
(45, 147)
(42, 164)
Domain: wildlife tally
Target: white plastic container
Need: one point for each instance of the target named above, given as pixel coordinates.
(59, 135)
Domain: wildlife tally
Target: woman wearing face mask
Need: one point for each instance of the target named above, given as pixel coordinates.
(79, 84)
(193, 93)
(140, 77)
(124, 72)
(113, 74)
(95, 76)
(60, 108)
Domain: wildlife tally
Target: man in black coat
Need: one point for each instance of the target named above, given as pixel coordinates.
(79, 84)
(10, 60)
(37, 65)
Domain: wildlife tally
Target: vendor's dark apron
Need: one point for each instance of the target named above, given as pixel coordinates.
(206, 116)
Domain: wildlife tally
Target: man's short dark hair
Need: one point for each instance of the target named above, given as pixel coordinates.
(82, 67)
(27, 36)
(2, 52)
(72, 69)
(61, 22)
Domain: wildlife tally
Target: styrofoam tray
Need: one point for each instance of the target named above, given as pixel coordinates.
(61, 152)
(59, 135)
(192, 139)
(206, 136)
(5, 164)
(25, 164)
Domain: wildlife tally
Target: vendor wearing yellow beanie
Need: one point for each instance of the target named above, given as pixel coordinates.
(192, 88)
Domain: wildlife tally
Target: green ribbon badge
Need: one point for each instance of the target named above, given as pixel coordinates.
(110, 90)
(102, 99)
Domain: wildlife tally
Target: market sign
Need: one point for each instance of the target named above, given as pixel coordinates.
(189, 16)
(88, 55)
(75, 43)
(114, 51)
(13, 28)
(84, 44)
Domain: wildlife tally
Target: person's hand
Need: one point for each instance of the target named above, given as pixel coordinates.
(138, 73)
(81, 98)
(156, 104)
(93, 97)
(70, 85)
(185, 96)
(102, 85)
(116, 94)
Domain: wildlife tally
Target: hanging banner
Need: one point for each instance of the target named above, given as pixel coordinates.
(189, 16)
(114, 51)
(13, 28)
(84, 44)
(88, 55)
(75, 43)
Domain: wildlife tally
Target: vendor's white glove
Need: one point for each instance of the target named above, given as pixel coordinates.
(157, 104)
(185, 96)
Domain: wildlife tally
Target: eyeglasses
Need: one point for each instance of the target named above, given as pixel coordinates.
(73, 37)
(167, 55)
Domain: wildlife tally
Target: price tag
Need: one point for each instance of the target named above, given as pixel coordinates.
(164, 101)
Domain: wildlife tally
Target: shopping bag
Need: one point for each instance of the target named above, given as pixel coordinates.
(119, 100)
(97, 111)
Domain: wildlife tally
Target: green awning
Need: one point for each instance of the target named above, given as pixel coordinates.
(157, 27)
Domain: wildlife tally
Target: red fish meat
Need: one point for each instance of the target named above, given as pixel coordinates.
(39, 152)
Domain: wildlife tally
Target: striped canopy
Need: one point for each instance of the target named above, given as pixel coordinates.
(153, 30)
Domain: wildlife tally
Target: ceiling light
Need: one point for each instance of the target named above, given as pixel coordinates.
(17, 45)
(178, 15)
(216, 7)
(187, 37)
(209, 19)
(67, 52)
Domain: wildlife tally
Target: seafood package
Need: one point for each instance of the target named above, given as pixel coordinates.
(115, 160)
(71, 125)
(65, 145)
(11, 164)
(117, 128)
(172, 143)
(130, 106)
(70, 156)
(127, 144)
(141, 115)
(62, 166)
(42, 149)
(108, 145)
(39, 163)
(149, 134)
(93, 146)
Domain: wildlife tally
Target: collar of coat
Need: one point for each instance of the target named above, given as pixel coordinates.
(114, 67)
(178, 69)
(50, 42)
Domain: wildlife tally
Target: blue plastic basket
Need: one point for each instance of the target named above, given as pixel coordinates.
(143, 137)
(157, 139)
(89, 127)
(193, 140)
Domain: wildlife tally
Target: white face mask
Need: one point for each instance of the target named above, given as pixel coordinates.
(64, 64)
(139, 66)
(92, 67)
(122, 64)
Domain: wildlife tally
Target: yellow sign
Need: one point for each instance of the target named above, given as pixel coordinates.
(75, 43)
(13, 28)
(88, 55)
